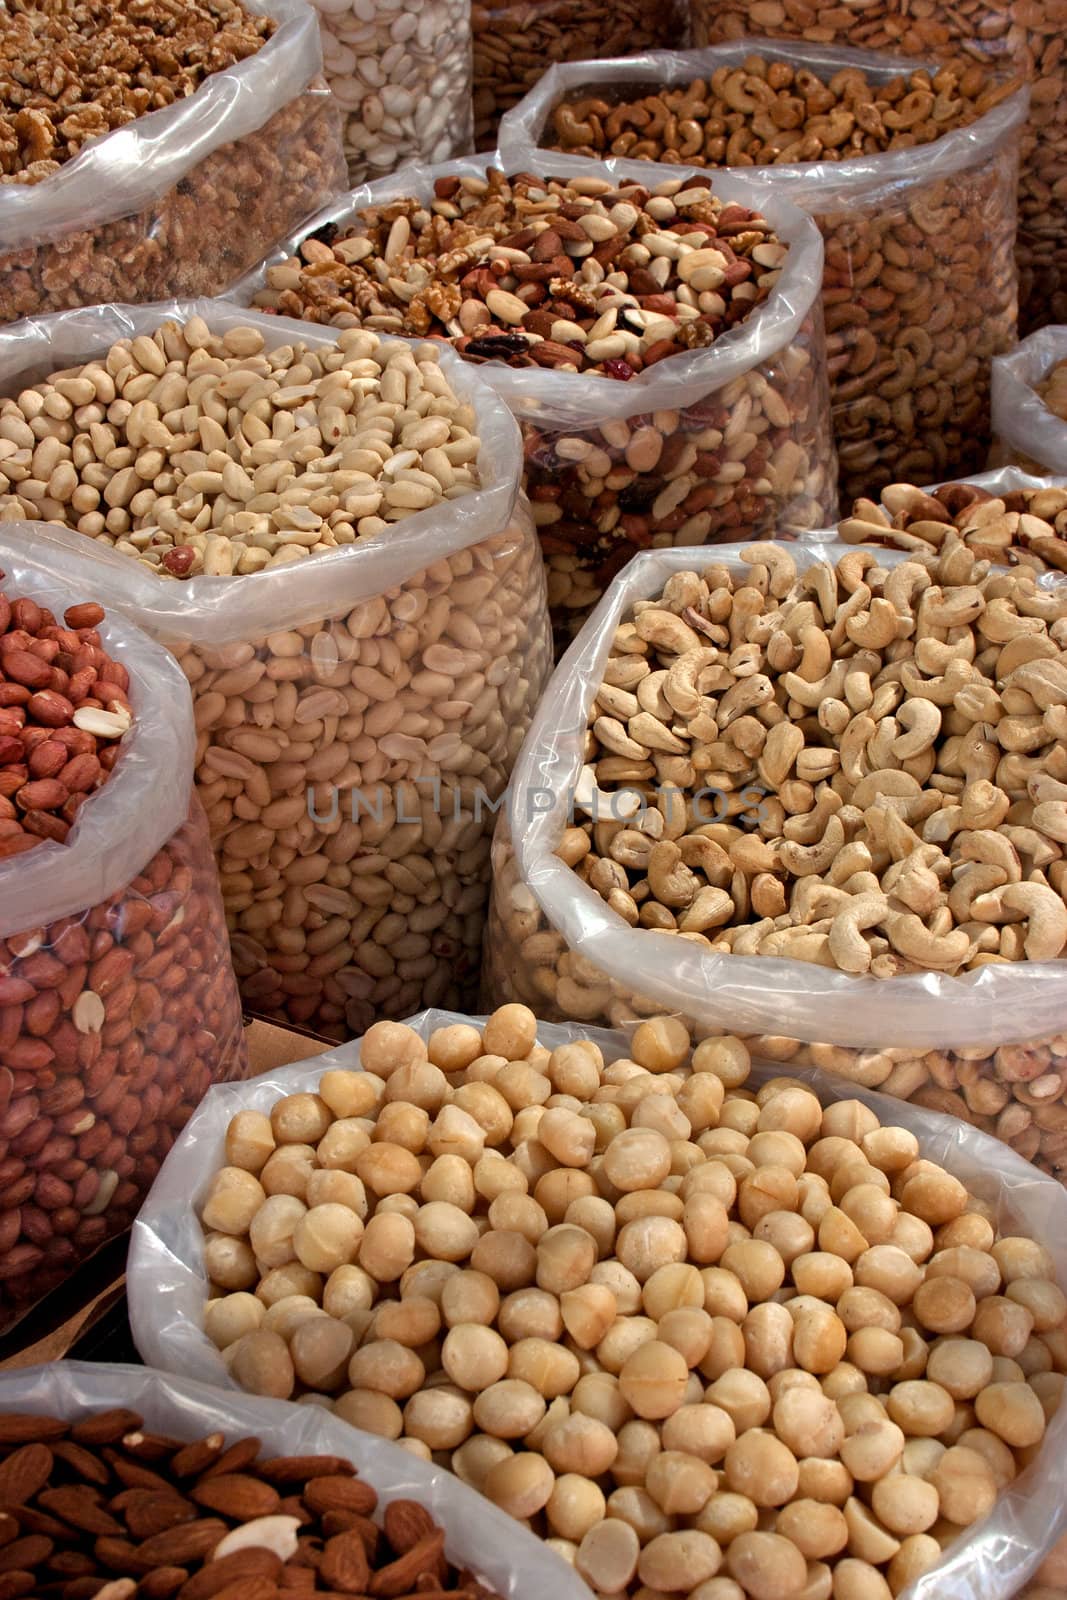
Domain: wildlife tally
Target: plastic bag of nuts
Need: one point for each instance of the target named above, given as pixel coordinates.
(131, 1420)
(1030, 404)
(919, 286)
(118, 1006)
(530, 1309)
(186, 198)
(725, 431)
(1019, 34)
(403, 80)
(358, 710)
(1008, 516)
(513, 40)
(961, 1007)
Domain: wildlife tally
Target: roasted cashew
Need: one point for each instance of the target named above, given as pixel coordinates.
(803, 859)
(911, 938)
(922, 720)
(681, 688)
(850, 950)
(1041, 907)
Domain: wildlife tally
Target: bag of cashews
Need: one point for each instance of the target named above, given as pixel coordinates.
(167, 1280)
(919, 286)
(358, 710)
(118, 1005)
(730, 440)
(989, 1044)
(182, 200)
(1028, 430)
(478, 1536)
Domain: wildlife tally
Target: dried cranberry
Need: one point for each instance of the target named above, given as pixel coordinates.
(621, 370)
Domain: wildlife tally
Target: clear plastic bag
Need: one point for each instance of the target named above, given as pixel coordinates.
(754, 405)
(402, 78)
(478, 1535)
(185, 199)
(973, 1045)
(167, 1284)
(919, 289)
(1019, 32)
(514, 39)
(354, 859)
(1026, 433)
(118, 1006)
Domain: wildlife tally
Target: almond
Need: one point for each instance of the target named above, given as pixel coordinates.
(83, 1462)
(400, 1576)
(236, 1495)
(81, 1508)
(16, 1428)
(196, 1458)
(24, 1473)
(249, 1589)
(14, 1584)
(301, 1469)
(106, 1427)
(25, 1554)
(334, 1493)
(406, 1522)
(344, 1564)
(176, 1546)
(241, 1454)
(146, 1511)
(217, 1575)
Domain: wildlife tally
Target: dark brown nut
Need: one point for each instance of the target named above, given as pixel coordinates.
(1017, 527)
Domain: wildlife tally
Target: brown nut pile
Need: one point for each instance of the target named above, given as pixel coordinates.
(103, 1509)
(1053, 390)
(73, 70)
(766, 112)
(682, 1328)
(1027, 36)
(197, 452)
(514, 39)
(63, 709)
(1022, 527)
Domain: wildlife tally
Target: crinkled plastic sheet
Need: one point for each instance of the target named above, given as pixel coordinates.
(1023, 425)
(812, 185)
(563, 400)
(738, 994)
(134, 813)
(210, 610)
(119, 172)
(167, 1285)
(512, 1561)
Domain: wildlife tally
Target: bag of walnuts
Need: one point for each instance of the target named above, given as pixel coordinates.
(816, 796)
(109, 199)
(118, 1006)
(361, 683)
(1026, 37)
(687, 408)
(1030, 405)
(919, 282)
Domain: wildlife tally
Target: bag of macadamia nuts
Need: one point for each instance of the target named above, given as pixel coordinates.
(727, 440)
(118, 1006)
(358, 711)
(919, 282)
(185, 198)
(582, 938)
(168, 1278)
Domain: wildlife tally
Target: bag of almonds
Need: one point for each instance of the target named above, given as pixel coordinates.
(919, 284)
(1030, 404)
(656, 1308)
(118, 1006)
(361, 682)
(661, 347)
(226, 1473)
(816, 796)
(103, 199)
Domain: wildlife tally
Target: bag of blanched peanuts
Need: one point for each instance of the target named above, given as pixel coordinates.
(709, 1330)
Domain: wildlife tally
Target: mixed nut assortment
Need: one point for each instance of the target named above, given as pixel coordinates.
(1019, 527)
(710, 1330)
(105, 1508)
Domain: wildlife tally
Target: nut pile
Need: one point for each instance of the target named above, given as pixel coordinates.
(514, 40)
(1024, 527)
(403, 80)
(707, 1330)
(918, 288)
(765, 112)
(1052, 392)
(861, 768)
(582, 277)
(73, 70)
(1029, 37)
(104, 1507)
(200, 452)
(63, 711)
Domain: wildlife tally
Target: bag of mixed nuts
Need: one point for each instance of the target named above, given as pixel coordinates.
(714, 762)
(118, 1006)
(361, 684)
(181, 200)
(919, 284)
(720, 427)
(1030, 404)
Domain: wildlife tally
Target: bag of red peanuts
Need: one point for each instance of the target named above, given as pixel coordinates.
(118, 1005)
